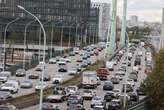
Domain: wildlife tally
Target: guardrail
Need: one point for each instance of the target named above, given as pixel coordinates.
(35, 61)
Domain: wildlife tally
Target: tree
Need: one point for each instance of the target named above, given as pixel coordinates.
(154, 87)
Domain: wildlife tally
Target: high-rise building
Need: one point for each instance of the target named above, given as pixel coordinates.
(134, 20)
(104, 18)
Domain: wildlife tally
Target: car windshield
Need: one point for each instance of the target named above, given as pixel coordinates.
(87, 91)
(8, 85)
(115, 102)
(71, 88)
(96, 98)
(26, 82)
(107, 83)
(116, 90)
(3, 75)
(73, 69)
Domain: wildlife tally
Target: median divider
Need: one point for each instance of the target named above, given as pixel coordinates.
(33, 98)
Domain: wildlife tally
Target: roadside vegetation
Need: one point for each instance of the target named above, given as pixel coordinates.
(154, 84)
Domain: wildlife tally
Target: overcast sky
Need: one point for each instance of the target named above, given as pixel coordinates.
(146, 10)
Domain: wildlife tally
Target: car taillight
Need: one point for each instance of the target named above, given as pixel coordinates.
(68, 109)
(110, 105)
(51, 108)
(76, 109)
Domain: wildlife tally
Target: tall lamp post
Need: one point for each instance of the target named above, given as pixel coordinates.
(25, 34)
(4, 48)
(40, 33)
(61, 40)
(41, 91)
(126, 72)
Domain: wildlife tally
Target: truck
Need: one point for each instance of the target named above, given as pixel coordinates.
(103, 73)
(90, 79)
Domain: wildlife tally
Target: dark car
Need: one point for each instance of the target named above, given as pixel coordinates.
(109, 96)
(84, 64)
(46, 77)
(140, 91)
(8, 107)
(75, 99)
(62, 68)
(129, 88)
(50, 106)
(133, 76)
(20, 73)
(133, 96)
(33, 75)
(108, 86)
(72, 54)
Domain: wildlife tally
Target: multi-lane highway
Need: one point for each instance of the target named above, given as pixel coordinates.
(99, 89)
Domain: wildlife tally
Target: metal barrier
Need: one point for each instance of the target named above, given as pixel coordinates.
(35, 61)
(141, 105)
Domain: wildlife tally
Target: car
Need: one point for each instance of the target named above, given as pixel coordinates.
(121, 73)
(33, 75)
(4, 75)
(133, 96)
(140, 91)
(58, 58)
(78, 67)
(76, 107)
(148, 69)
(84, 64)
(103, 71)
(20, 73)
(54, 98)
(57, 79)
(39, 68)
(115, 80)
(67, 60)
(73, 71)
(133, 77)
(108, 86)
(10, 87)
(46, 77)
(95, 100)
(114, 105)
(39, 85)
(84, 57)
(4, 95)
(79, 60)
(59, 90)
(13, 80)
(71, 90)
(65, 55)
(88, 94)
(8, 107)
(26, 84)
(116, 92)
(52, 61)
(74, 99)
(72, 54)
(109, 96)
(131, 81)
(50, 106)
(62, 68)
(129, 87)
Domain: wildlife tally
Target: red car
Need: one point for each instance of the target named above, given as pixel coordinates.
(103, 71)
(99, 48)
(148, 70)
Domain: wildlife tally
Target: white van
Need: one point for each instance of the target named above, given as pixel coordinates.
(110, 65)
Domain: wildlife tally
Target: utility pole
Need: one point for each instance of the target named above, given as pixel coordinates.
(123, 30)
(113, 28)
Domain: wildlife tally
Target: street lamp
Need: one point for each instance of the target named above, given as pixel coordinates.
(126, 71)
(25, 42)
(61, 40)
(40, 38)
(4, 48)
(41, 91)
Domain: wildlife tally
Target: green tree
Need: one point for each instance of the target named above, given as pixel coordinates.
(154, 87)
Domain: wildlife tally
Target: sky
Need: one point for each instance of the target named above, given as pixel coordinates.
(146, 10)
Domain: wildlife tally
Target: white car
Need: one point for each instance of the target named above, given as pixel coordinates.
(73, 71)
(96, 100)
(11, 87)
(38, 86)
(116, 92)
(52, 61)
(71, 90)
(131, 81)
(88, 94)
(67, 60)
(57, 79)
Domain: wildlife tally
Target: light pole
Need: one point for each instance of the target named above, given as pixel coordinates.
(41, 91)
(126, 71)
(4, 48)
(40, 33)
(25, 34)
